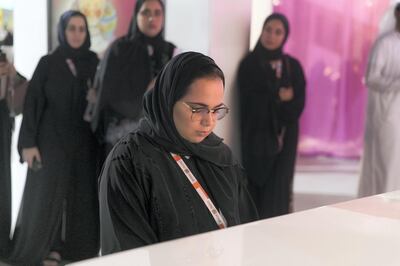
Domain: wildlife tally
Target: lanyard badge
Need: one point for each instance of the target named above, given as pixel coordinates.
(217, 215)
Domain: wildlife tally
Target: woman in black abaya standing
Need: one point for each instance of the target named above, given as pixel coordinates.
(272, 97)
(6, 127)
(12, 84)
(128, 69)
(59, 213)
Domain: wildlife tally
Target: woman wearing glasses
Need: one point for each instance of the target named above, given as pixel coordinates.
(127, 71)
(157, 181)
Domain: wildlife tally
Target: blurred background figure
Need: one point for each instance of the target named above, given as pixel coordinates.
(272, 96)
(59, 211)
(11, 82)
(380, 167)
(127, 71)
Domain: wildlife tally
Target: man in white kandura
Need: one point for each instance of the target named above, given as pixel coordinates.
(381, 161)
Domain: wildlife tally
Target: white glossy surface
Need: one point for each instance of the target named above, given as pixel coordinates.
(360, 232)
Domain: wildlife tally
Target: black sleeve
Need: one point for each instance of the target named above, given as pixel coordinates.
(19, 79)
(93, 66)
(258, 94)
(104, 79)
(243, 87)
(244, 112)
(33, 106)
(290, 111)
(125, 200)
(247, 209)
(252, 96)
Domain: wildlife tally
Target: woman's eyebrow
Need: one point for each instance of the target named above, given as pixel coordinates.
(205, 105)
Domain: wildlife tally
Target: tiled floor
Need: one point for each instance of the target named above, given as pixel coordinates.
(322, 181)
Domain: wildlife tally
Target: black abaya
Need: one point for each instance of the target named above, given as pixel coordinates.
(6, 124)
(122, 79)
(67, 183)
(269, 130)
(128, 67)
(145, 197)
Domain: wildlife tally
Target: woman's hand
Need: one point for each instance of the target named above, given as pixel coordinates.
(91, 95)
(151, 84)
(286, 94)
(28, 155)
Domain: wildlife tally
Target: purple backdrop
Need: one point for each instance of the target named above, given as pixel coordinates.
(332, 39)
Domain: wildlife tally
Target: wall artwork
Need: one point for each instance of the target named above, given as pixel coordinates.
(7, 31)
(107, 19)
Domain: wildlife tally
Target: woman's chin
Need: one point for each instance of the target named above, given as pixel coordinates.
(196, 139)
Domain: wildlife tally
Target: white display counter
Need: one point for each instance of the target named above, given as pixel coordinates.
(359, 232)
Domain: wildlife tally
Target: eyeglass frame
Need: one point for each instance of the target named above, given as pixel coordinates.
(212, 111)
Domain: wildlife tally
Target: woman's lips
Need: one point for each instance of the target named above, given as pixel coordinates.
(203, 133)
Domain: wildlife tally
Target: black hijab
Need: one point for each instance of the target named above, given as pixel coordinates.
(171, 85)
(157, 43)
(263, 56)
(266, 54)
(133, 27)
(80, 56)
(125, 72)
(62, 38)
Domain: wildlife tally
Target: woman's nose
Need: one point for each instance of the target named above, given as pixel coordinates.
(208, 119)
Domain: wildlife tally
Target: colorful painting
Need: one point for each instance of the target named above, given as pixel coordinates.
(6, 27)
(6, 31)
(107, 19)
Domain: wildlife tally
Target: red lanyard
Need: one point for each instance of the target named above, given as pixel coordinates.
(217, 215)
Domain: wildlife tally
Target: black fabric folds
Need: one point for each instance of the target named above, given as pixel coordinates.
(158, 106)
(269, 126)
(145, 198)
(125, 73)
(64, 190)
(6, 125)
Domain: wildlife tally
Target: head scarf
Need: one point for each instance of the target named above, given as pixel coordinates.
(134, 30)
(265, 53)
(211, 157)
(172, 84)
(156, 44)
(125, 72)
(62, 38)
(82, 57)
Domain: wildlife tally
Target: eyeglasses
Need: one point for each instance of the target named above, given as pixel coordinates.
(199, 113)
